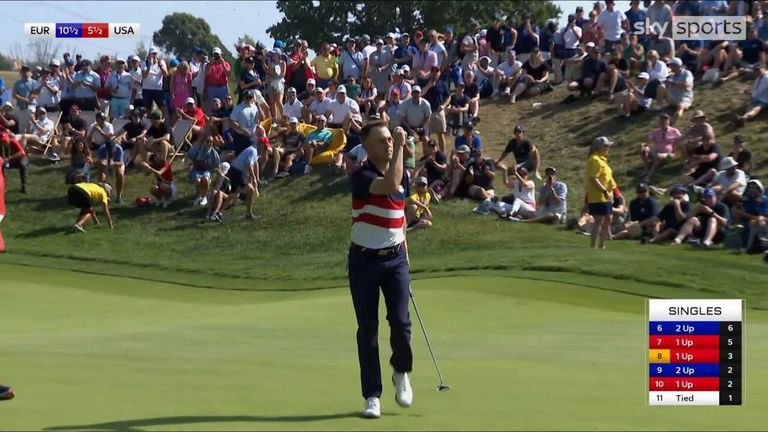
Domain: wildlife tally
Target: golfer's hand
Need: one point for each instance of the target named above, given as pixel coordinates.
(399, 136)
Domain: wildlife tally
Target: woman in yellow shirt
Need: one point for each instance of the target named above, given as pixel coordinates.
(600, 185)
(417, 213)
(85, 196)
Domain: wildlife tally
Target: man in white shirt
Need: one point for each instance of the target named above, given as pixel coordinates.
(400, 85)
(292, 106)
(49, 94)
(40, 130)
(352, 61)
(119, 86)
(341, 112)
(678, 88)
(319, 105)
(730, 182)
(507, 74)
(86, 83)
(611, 23)
(200, 60)
(759, 100)
(137, 77)
(414, 114)
(155, 70)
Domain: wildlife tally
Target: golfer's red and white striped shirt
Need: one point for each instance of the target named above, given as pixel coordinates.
(378, 221)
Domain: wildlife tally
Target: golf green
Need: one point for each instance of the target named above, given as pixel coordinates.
(99, 352)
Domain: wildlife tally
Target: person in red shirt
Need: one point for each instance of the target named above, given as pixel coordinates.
(164, 188)
(14, 156)
(194, 113)
(104, 72)
(216, 77)
(3, 389)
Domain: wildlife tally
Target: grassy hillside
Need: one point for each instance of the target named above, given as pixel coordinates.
(300, 239)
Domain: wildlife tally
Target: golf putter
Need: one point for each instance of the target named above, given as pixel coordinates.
(443, 387)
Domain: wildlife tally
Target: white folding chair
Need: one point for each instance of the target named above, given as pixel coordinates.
(180, 135)
(55, 117)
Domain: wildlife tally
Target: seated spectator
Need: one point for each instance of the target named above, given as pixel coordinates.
(521, 201)
(14, 157)
(745, 58)
(318, 106)
(131, 134)
(318, 141)
(617, 75)
(469, 139)
(752, 213)
(457, 111)
(634, 53)
(203, 159)
(659, 148)
(707, 221)
(678, 88)
(657, 75)
(417, 212)
(390, 110)
(164, 188)
(220, 112)
(507, 75)
(535, 80)
(85, 196)
(593, 73)
(478, 178)
(702, 166)
(398, 83)
(39, 132)
(8, 119)
(157, 139)
(24, 90)
(741, 154)
(480, 84)
(730, 182)
(759, 100)
(552, 204)
(524, 152)
(643, 216)
(307, 95)
(292, 140)
(415, 113)
(635, 101)
(192, 113)
(434, 165)
(472, 89)
(292, 106)
(80, 163)
(693, 136)
(221, 197)
(249, 78)
(673, 215)
(712, 59)
(342, 112)
(353, 88)
(367, 97)
(455, 173)
(663, 46)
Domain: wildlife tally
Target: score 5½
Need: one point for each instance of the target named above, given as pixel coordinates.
(95, 30)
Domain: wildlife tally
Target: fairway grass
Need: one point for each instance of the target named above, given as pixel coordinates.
(102, 352)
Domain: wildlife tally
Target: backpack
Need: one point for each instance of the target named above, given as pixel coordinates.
(297, 169)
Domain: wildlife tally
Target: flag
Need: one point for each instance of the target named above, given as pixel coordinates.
(2, 201)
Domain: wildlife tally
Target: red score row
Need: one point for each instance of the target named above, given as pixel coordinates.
(684, 384)
(682, 342)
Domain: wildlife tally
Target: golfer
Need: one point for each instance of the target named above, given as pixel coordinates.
(378, 259)
(600, 185)
(87, 195)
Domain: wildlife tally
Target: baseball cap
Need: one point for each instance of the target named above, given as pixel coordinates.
(709, 192)
(42, 109)
(603, 141)
(579, 9)
(571, 17)
(342, 89)
(678, 188)
(738, 139)
(643, 75)
(291, 90)
(416, 89)
(120, 60)
(319, 90)
(217, 50)
(69, 62)
(311, 81)
(468, 126)
(174, 62)
(86, 63)
(293, 120)
(463, 149)
(757, 183)
(728, 162)
(153, 50)
(320, 117)
(419, 34)
(55, 62)
(224, 168)
(379, 41)
(421, 180)
(432, 143)
(405, 68)
(519, 128)
(676, 62)
(590, 45)
(133, 57)
(190, 100)
(642, 187)
(698, 114)
(216, 100)
(396, 91)
(664, 115)
(550, 170)
(263, 140)
(7, 104)
(196, 49)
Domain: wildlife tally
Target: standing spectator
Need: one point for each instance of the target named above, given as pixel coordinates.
(527, 38)
(48, 92)
(494, 37)
(643, 216)
(524, 152)
(436, 46)
(244, 121)
(275, 67)
(351, 61)
(164, 188)
(326, 66)
(299, 71)
(437, 93)
(104, 71)
(119, 87)
(547, 40)
(600, 186)
(702, 164)
(457, 111)
(24, 89)
(181, 85)
(110, 154)
(86, 83)
(216, 77)
(741, 154)
(417, 212)
(660, 147)
(405, 51)
(707, 221)
(659, 16)
(379, 66)
(249, 78)
(566, 46)
(415, 113)
(759, 100)
(579, 17)
(203, 160)
(4, 93)
(552, 203)
(469, 47)
(423, 62)
(611, 23)
(730, 182)
(154, 72)
(590, 30)
(678, 88)
(635, 15)
(244, 174)
(13, 156)
(137, 78)
(197, 66)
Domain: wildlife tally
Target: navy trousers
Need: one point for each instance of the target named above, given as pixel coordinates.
(367, 274)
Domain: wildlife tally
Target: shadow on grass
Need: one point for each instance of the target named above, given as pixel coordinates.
(43, 232)
(140, 424)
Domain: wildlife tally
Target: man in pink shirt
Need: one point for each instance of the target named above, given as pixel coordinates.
(217, 77)
(661, 145)
(423, 62)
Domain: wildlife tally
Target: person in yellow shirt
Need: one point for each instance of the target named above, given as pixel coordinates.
(326, 66)
(600, 185)
(86, 196)
(417, 213)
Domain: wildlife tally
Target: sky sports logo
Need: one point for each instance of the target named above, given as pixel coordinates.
(731, 28)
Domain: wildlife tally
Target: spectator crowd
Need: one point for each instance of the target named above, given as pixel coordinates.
(274, 113)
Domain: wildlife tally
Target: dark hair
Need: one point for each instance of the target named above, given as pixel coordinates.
(368, 129)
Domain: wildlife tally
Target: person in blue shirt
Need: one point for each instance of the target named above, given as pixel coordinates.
(437, 93)
(469, 139)
(527, 38)
(5, 95)
(747, 57)
(752, 213)
(24, 89)
(762, 28)
(636, 15)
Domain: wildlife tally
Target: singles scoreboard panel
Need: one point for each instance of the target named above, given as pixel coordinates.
(695, 352)
(81, 30)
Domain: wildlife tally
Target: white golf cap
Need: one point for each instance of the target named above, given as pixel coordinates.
(311, 81)
(153, 50)
(293, 120)
(676, 62)
(190, 100)
(590, 45)
(133, 57)
(120, 60)
(41, 109)
(291, 90)
(728, 163)
(224, 167)
(55, 62)
(603, 141)
(342, 89)
(406, 68)
(421, 180)
(415, 89)
(643, 75)
(217, 50)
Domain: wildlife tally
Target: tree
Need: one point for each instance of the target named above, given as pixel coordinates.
(182, 31)
(245, 39)
(38, 52)
(6, 63)
(332, 20)
(141, 50)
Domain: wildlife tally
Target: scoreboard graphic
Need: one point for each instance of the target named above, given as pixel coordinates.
(81, 30)
(695, 352)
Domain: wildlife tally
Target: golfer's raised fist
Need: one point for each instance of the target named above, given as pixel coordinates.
(399, 136)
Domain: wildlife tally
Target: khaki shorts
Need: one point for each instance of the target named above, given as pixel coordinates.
(437, 123)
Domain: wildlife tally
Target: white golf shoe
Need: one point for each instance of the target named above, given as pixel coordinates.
(403, 391)
(372, 408)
